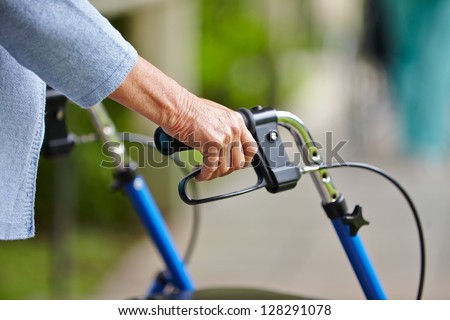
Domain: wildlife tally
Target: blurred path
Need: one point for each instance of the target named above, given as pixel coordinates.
(285, 242)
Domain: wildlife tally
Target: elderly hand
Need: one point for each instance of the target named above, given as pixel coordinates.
(216, 131)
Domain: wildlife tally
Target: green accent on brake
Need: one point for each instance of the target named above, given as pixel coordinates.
(313, 152)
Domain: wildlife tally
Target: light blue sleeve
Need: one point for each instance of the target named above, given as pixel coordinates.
(68, 44)
(22, 99)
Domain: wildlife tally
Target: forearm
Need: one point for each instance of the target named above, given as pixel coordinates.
(150, 92)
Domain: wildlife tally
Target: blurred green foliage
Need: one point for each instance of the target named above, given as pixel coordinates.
(26, 271)
(229, 34)
(241, 48)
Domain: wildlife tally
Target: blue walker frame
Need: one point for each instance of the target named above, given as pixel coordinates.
(176, 274)
(156, 227)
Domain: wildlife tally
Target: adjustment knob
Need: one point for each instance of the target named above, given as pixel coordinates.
(355, 220)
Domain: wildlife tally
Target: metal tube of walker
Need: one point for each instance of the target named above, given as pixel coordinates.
(352, 245)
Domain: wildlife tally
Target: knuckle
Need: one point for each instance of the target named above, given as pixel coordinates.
(235, 130)
(227, 137)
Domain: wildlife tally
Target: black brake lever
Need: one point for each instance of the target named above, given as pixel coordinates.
(274, 170)
(182, 190)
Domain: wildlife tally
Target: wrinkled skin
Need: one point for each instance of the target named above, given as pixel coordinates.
(216, 131)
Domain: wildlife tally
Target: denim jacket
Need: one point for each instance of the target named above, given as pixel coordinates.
(68, 45)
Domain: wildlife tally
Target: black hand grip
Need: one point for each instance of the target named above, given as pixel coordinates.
(168, 145)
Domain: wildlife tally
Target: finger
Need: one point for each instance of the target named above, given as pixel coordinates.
(237, 156)
(224, 167)
(249, 147)
(205, 174)
(211, 160)
(208, 173)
